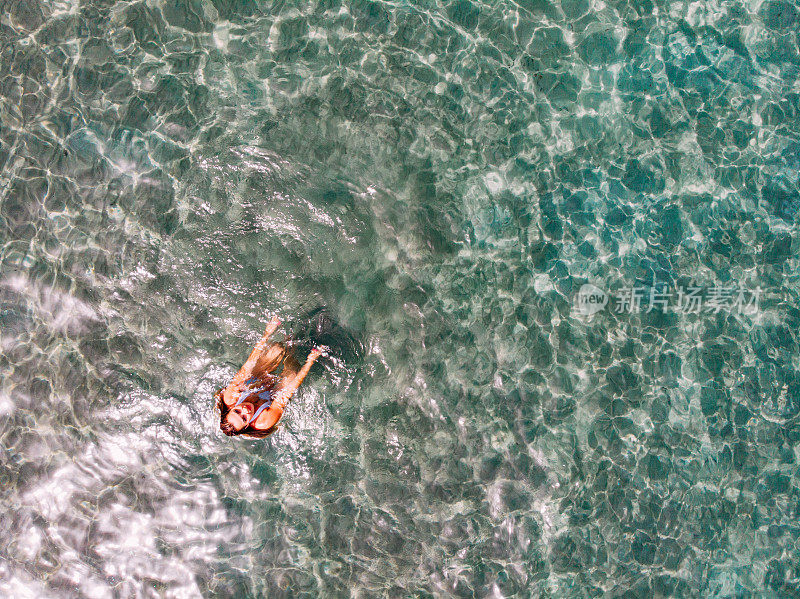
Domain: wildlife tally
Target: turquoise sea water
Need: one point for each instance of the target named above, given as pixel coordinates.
(445, 177)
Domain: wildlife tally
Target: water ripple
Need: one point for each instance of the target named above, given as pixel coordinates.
(445, 177)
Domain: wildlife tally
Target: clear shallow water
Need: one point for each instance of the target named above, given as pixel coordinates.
(445, 178)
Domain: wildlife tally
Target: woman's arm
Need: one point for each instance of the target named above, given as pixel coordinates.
(246, 370)
(270, 417)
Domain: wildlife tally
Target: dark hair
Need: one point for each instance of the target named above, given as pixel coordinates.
(227, 428)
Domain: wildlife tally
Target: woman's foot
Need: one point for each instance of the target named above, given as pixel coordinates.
(272, 326)
(319, 350)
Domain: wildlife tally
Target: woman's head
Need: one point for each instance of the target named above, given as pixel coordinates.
(237, 418)
(234, 421)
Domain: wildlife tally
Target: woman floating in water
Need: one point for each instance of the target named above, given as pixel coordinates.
(253, 402)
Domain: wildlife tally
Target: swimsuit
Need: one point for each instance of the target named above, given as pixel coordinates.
(263, 392)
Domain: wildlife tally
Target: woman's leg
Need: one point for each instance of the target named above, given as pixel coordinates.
(290, 366)
(289, 383)
(269, 360)
(246, 371)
